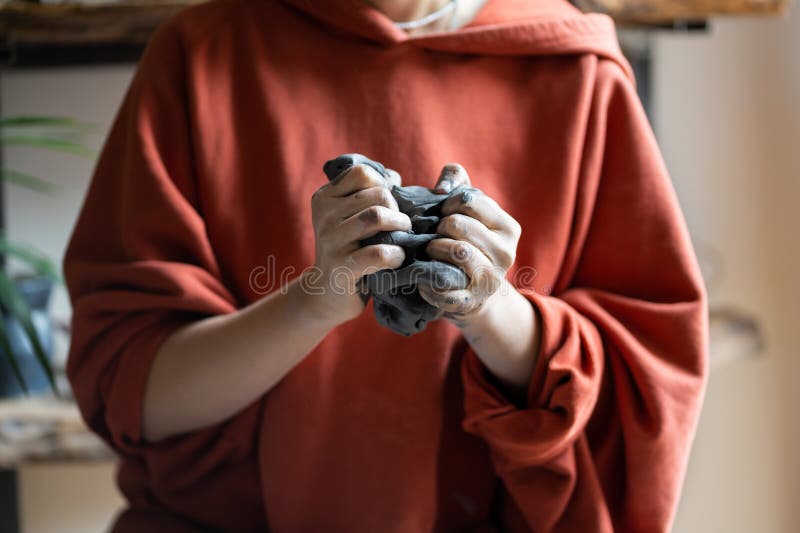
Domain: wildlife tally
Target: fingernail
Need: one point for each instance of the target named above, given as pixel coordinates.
(444, 186)
(445, 183)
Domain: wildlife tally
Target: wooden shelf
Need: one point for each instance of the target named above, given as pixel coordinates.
(41, 428)
(668, 12)
(75, 33)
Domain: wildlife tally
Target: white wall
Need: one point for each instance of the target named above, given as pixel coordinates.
(728, 116)
(67, 498)
(727, 109)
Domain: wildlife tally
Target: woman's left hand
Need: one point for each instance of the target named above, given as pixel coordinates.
(479, 237)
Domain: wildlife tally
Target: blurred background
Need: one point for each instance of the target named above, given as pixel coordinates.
(721, 82)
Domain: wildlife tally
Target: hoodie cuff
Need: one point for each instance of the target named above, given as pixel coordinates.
(533, 433)
(125, 402)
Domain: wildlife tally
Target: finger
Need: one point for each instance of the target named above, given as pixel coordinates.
(484, 278)
(457, 302)
(370, 259)
(473, 203)
(358, 177)
(465, 228)
(368, 222)
(452, 176)
(360, 200)
(394, 178)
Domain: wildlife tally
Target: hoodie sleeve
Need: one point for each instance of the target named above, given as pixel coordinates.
(139, 265)
(603, 441)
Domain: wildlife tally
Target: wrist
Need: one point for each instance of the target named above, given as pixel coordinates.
(505, 336)
(487, 313)
(313, 306)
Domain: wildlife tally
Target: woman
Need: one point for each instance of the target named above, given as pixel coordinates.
(559, 392)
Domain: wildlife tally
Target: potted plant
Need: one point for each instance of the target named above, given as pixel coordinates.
(26, 329)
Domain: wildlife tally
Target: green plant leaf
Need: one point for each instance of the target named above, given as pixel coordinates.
(5, 345)
(16, 305)
(34, 120)
(26, 180)
(49, 142)
(30, 256)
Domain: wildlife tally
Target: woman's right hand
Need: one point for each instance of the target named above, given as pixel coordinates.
(356, 205)
(265, 340)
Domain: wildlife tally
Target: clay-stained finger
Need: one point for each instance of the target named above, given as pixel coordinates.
(358, 177)
(472, 202)
(451, 177)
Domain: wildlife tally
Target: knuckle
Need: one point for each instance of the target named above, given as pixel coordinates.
(444, 227)
(359, 171)
(380, 215)
(505, 258)
(364, 176)
(458, 224)
(373, 215)
(384, 197)
(362, 194)
(378, 254)
(461, 252)
(448, 226)
(383, 255)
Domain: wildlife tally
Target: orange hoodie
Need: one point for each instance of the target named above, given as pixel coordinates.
(201, 201)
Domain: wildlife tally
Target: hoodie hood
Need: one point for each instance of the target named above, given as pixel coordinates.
(501, 27)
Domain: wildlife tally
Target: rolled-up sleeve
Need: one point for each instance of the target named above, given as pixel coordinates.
(603, 440)
(139, 265)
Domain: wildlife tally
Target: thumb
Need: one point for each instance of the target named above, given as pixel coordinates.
(452, 176)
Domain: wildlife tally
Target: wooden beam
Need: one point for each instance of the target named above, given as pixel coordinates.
(133, 21)
(643, 12)
(130, 22)
(33, 34)
(38, 35)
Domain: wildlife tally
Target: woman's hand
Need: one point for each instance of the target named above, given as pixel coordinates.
(501, 326)
(480, 238)
(352, 207)
(192, 385)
